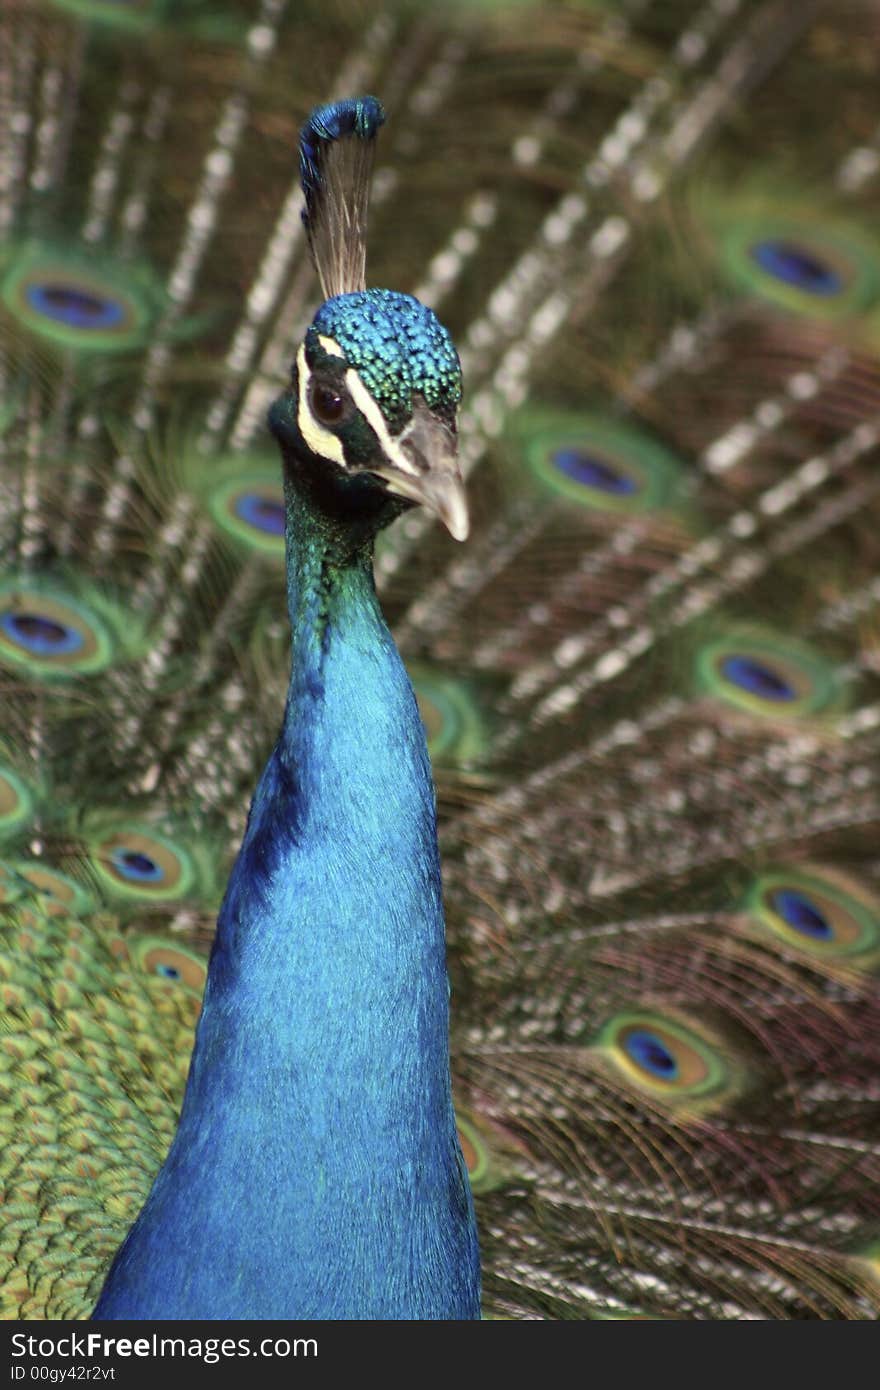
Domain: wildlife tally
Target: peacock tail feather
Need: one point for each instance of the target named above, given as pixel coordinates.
(650, 680)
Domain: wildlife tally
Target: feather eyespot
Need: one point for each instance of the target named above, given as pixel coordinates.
(135, 861)
(50, 632)
(599, 463)
(248, 506)
(824, 270)
(824, 916)
(170, 962)
(668, 1059)
(79, 304)
(327, 406)
(766, 675)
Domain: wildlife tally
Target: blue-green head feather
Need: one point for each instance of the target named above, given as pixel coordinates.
(399, 348)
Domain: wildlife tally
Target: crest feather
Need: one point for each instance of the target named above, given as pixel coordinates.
(336, 147)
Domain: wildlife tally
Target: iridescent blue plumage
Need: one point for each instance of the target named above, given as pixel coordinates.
(316, 1171)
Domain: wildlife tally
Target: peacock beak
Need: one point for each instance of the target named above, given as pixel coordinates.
(428, 471)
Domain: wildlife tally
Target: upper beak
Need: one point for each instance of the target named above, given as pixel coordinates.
(429, 471)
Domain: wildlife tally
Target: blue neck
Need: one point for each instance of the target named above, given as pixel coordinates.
(316, 1171)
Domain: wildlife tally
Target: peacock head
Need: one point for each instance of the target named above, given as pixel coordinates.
(369, 424)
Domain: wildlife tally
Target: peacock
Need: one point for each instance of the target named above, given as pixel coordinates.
(324, 1025)
(647, 678)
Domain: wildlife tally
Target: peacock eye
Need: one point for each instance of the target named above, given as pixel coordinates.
(328, 405)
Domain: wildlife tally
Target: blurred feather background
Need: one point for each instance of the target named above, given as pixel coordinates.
(650, 679)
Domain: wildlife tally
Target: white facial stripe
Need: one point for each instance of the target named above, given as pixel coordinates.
(330, 346)
(320, 440)
(374, 417)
